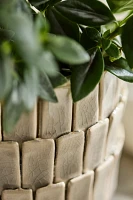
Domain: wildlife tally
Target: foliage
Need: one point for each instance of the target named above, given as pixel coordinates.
(45, 43)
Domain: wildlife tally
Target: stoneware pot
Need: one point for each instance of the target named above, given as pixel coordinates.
(66, 151)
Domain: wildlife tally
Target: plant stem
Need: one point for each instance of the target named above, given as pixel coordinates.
(118, 30)
(126, 19)
(115, 33)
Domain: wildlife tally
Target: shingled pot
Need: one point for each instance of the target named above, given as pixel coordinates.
(66, 151)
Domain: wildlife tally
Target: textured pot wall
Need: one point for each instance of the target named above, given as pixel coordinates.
(67, 151)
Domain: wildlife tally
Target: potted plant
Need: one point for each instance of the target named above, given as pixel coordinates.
(65, 52)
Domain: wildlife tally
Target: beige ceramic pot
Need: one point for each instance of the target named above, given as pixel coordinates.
(66, 151)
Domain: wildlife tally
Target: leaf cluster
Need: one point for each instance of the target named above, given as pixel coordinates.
(45, 43)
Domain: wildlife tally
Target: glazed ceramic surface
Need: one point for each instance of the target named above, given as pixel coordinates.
(66, 151)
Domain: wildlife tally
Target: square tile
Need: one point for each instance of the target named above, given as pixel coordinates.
(117, 157)
(9, 165)
(25, 129)
(115, 121)
(109, 94)
(51, 192)
(37, 163)
(81, 188)
(86, 111)
(18, 194)
(102, 184)
(0, 125)
(96, 137)
(123, 91)
(69, 156)
(56, 118)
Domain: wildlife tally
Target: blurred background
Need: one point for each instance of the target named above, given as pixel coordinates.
(125, 186)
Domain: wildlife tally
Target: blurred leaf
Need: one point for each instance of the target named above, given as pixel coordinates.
(120, 68)
(120, 5)
(90, 38)
(13, 109)
(27, 45)
(29, 88)
(41, 25)
(45, 89)
(47, 63)
(67, 50)
(58, 79)
(127, 41)
(25, 38)
(5, 75)
(24, 7)
(6, 35)
(61, 25)
(85, 12)
(85, 77)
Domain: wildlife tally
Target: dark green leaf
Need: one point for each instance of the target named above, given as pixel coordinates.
(61, 25)
(120, 69)
(127, 41)
(38, 3)
(113, 51)
(106, 34)
(120, 5)
(43, 4)
(58, 79)
(67, 50)
(85, 12)
(85, 77)
(90, 38)
(105, 43)
(45, 89)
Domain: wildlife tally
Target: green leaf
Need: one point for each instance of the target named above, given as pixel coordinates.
(85, 77)
(120, 69)
(67, 50)
(90, 38)
(120, 5)
(13, 109)
(6, 35)
(127, 41)
(106, 34)
(45, 89)
(43, 4)
(60, 25)
(24, 7)
(5, 75)
(113, 51)
(38, 3)
(105, 43)
(27, 45)
(58, 79)
(85, 12)
(25, 41)
(47, 63)
(41, 25)
(29, 88)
